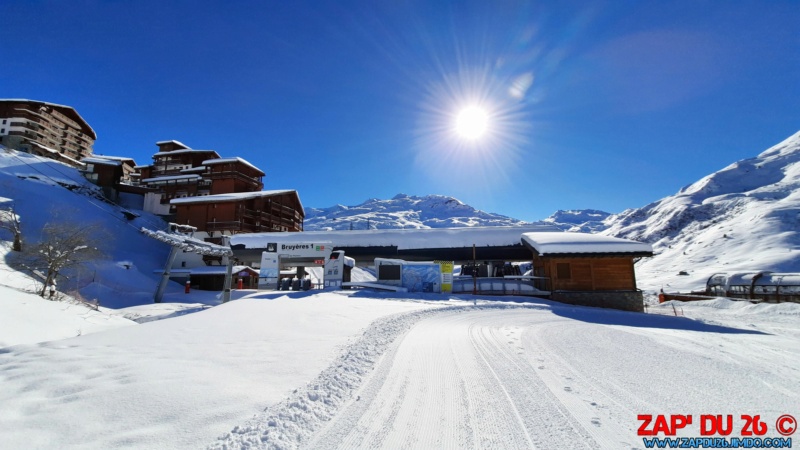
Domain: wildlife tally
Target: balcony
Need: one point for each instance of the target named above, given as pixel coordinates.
(235, 175)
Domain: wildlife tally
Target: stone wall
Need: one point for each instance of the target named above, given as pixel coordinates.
(624, 300)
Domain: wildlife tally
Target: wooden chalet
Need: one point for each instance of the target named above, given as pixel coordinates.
(108, 171)
(178, 171)
(588, 269)
(242, 212)
(232, 175)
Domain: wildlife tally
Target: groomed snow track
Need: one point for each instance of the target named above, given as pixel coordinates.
(518, 376)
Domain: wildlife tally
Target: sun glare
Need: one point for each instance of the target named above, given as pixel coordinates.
(472, 122)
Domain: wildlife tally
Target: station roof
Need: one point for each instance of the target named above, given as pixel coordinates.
(491, 243)
(554, 244)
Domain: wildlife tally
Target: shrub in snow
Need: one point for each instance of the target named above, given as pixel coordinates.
(64, 245)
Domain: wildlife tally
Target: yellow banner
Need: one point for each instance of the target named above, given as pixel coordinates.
(447, 276)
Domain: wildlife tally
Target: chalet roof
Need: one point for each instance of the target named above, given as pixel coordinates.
(567, 243)
(172, 177)
(219, 270)
(101, 161)
(64, 109)
(231, 160)
(142, 166)
(116, 158)
(172, 142)
(194, 169)
(232, 197)
(184, 151)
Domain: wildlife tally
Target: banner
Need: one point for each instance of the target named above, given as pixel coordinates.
(447, 276)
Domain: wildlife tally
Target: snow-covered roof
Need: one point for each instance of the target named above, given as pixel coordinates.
(216, 198)
(115, 158)
(101, 161)
(572, 243)
(217, 270)
(403, 239)
(188, 243)
(172, 177)
(172, 142)
(184, 151)
(231, 160)
(194, 169)
(142, 167)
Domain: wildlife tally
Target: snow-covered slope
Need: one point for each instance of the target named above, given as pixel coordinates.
(744, 217)
(41, 191)
(579, 220)
(403, 211)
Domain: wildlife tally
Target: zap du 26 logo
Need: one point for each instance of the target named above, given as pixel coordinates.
(714, 425)
(714, 431)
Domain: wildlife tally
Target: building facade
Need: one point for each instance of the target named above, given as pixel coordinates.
(45, 129)
(588, 269)
(217, 196)
(178, 172)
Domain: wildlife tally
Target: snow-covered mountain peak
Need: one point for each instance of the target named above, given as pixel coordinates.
(789, 146)
(754, 176)
(744, 217)
(579, 220)
(404, 211)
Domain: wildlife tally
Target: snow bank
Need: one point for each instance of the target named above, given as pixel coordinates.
(177, 383)
(26, 318)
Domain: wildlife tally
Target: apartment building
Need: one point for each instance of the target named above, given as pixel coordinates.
(45, 129)
(214, 194)
(219, 196)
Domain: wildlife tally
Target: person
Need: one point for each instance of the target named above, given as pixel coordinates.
(52, 288)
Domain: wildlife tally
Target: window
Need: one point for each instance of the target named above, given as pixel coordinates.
(563, 271)
(388, 272)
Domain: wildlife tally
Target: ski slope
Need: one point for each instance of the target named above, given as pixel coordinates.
(545, 375)
(527, 378)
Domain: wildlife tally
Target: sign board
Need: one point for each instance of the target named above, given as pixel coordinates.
(447, 276)
(333, 274)
(421, 277)
(276, 252)
(268, 273)
(321, 250)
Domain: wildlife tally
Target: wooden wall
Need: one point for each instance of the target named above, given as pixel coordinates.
(587, 273)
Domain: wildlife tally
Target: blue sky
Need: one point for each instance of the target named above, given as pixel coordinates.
(590, 104)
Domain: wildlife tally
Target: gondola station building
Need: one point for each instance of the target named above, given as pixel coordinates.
(575, 268)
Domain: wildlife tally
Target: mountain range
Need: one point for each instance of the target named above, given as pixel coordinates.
(744, 217)
(435, 211)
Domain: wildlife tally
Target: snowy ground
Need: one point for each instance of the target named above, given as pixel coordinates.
(353, 369)
(551, 376)
(359, 369)
(175, 383)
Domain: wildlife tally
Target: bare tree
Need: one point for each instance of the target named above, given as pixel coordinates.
(63, 246)
(9, 220)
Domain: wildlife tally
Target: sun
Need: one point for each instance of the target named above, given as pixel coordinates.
(472, 122)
